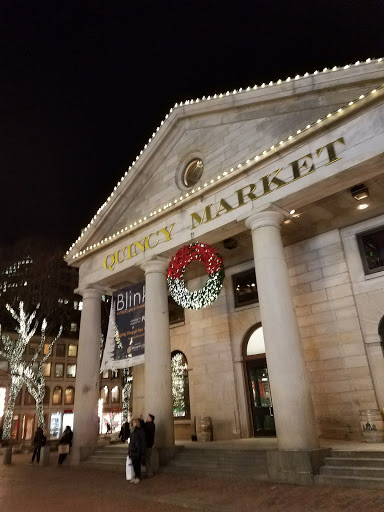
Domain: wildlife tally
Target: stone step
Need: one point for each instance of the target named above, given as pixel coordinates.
(350, 481)
(106, 460)
(351, 471)
(356, 462)
(217, 472)
(104, 465)
(181, 465)
(366, 454)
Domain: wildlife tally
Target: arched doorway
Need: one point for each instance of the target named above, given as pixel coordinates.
(259, 391)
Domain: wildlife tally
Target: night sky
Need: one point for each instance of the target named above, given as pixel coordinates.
(84, 84)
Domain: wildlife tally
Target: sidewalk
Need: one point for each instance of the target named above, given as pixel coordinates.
(31, 488)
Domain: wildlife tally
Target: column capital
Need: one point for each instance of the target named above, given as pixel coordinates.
(158, 266)
(263, 219)
(89, 293)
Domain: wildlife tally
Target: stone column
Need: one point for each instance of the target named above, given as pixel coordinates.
(291, 395)
(86, 421)
(157, 365)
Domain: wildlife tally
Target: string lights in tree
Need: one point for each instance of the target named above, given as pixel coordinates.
(127, 388)
(179, 375)
(22, 371)
(213, 263)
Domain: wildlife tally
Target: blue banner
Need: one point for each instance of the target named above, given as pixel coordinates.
(124, 345)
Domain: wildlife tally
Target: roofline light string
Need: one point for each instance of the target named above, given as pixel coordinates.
(225, 173)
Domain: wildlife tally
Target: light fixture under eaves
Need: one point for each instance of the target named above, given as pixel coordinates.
(359, 192)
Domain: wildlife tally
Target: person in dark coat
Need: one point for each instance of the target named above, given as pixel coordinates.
(124, 432)
(149, 429)
(136, 450)
(66, 438)
(38, 442)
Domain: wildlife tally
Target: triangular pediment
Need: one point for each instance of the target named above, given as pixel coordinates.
(222, 131)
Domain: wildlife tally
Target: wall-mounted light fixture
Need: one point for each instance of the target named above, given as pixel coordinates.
(359, 192)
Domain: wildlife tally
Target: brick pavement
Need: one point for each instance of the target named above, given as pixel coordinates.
(30, 488)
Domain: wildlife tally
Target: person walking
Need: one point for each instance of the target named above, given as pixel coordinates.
(149, 429)
(124, 432)
(136, 448)
(38, 441)
(65, 444)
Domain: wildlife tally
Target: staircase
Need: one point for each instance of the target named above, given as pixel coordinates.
(220, 463)
(363, 469)
(110, 458)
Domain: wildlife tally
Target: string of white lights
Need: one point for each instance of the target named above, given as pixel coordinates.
(25, 372)
(264, 153)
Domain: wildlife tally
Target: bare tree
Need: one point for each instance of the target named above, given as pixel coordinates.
(22, 371)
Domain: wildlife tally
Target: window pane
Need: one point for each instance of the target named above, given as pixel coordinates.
(72, 350)
(176, 312)
(372, 251)
(104, 394)
(46, 348)
(46, 396)
(115, 394)
(245, 288)
(47, 369)
(59, 370)
(28, 398)
(69, 396)
(3, 366)
(73, 327)
(60, 350)
(32, 348)
(56, 397)
(71, 370)
(105, 374)
(55, 425)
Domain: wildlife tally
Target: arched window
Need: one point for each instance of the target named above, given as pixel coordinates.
(69, 396)
(57, 395)
(46, 395)
(256, 345)
(28, 398)
(104, 394)
(180, 385)
(115, 395)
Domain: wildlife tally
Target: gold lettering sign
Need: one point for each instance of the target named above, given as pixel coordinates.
(267, 184)
(133, 249)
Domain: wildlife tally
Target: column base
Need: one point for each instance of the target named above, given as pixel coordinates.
(165, 454)
(295, 466)
(80, 453)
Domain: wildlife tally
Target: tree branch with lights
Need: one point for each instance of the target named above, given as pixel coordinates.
(24, 372)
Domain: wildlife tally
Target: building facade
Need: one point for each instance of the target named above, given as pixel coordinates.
(60, 391)
(286, 181)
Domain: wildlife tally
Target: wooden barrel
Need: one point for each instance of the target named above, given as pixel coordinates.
(204, 429)
(372, 425)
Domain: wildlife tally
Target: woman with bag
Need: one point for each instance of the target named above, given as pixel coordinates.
(136, 449)
(65, 444)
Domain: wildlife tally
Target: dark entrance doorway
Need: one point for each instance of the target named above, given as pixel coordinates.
(260, 398)
(258, 386)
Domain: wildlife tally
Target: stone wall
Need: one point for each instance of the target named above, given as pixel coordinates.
(205, 341)
(332, 340)
(369, 296)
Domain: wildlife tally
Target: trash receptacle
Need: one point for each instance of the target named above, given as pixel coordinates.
(44, 456)
(372, 425)
(7, 455)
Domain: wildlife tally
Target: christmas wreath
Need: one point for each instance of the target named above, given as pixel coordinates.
(212, 261)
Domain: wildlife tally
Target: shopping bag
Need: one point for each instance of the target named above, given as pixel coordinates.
(129, 473)
(63, 448)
